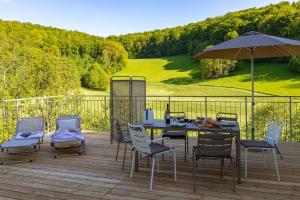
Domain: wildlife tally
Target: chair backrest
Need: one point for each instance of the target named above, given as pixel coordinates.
(214, 145)
(30, 124)
(175, 115)
(116, 130)
(140, 139)
(274, 131)
(69, 122)
(227, 116)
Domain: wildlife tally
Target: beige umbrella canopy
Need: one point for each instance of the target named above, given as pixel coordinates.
(252, 45)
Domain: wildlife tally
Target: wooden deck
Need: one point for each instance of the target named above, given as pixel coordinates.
(96, 175)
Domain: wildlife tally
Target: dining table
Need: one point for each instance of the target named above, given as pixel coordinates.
(159, 124)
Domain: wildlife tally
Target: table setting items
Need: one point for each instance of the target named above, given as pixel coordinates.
(148, 116)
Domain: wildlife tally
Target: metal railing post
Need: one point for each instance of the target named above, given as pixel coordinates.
(205, 107)
(291, 123)
(105, 114)
(246, 116)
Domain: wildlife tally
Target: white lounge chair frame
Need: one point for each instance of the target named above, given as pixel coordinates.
(27, 124)
(66, 141)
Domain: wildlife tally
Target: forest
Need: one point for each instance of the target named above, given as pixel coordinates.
(282, 19)
(44, 61)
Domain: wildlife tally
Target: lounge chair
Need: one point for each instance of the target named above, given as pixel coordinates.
(144, 146)
(68, 134)
(29, 133)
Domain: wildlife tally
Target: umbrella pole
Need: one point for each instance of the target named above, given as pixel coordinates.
(252, 91)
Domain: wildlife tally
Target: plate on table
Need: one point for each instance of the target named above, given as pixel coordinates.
(227, 123)
(178, 124)
(147, 123)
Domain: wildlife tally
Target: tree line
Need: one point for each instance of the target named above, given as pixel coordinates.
(45, 61)
(282, 19)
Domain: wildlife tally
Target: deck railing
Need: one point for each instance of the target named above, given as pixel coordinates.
(95, 111)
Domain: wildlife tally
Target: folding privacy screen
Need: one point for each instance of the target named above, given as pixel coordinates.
(127, 98)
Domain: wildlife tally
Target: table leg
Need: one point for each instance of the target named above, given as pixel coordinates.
(238, 157)
(152, 134)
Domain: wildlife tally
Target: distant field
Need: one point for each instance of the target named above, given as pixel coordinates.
(174, 75)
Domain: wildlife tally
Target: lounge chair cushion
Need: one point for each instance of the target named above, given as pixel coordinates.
(255, 144)
(13, 143)
(158, 148)
(67, 136)
(28, 135)
(68, 124)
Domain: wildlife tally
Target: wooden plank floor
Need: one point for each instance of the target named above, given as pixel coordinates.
(96, 175)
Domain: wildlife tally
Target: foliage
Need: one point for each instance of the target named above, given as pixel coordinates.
(37, 60)
(216, 68)
(294, 64)
(280, 19)
(264, 113)
(96, 78)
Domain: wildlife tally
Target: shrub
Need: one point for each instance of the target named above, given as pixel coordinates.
(294, 64)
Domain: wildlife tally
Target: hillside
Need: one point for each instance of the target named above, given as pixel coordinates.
(45, 61)
(173, 75)
(282, 19)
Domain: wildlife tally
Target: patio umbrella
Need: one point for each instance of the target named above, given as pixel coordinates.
(252, 45)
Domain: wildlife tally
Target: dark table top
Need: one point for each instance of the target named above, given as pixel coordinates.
(161, 124)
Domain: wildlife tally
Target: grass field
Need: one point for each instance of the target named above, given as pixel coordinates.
(172, 76)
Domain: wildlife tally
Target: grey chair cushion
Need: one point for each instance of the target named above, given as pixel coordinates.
(255, 144)
(158, 148)
(126, 137)
(174, 134)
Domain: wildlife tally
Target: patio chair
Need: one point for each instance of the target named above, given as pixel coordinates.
(213, 146)
(28, 134)
(121, 135)
(68, 134)
(144, 146)
(227, 116)
(270, 143)
(175, 133)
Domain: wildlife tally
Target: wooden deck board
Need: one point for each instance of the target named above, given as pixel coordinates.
(96, 175)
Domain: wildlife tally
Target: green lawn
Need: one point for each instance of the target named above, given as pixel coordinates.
(172, 76)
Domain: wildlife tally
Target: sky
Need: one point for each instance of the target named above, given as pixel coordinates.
(115, 17)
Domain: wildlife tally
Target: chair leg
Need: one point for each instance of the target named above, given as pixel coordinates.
(265, 159)
(124, 156)
(163, 155)
(222, 163)
(175, 174)
(194, 172)
(276, 164)
(152, 172)
(132, 164)
(246, 162)
(187, 144)
(185, 149)
(117, 151)
(233, 175)
(157, 164)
